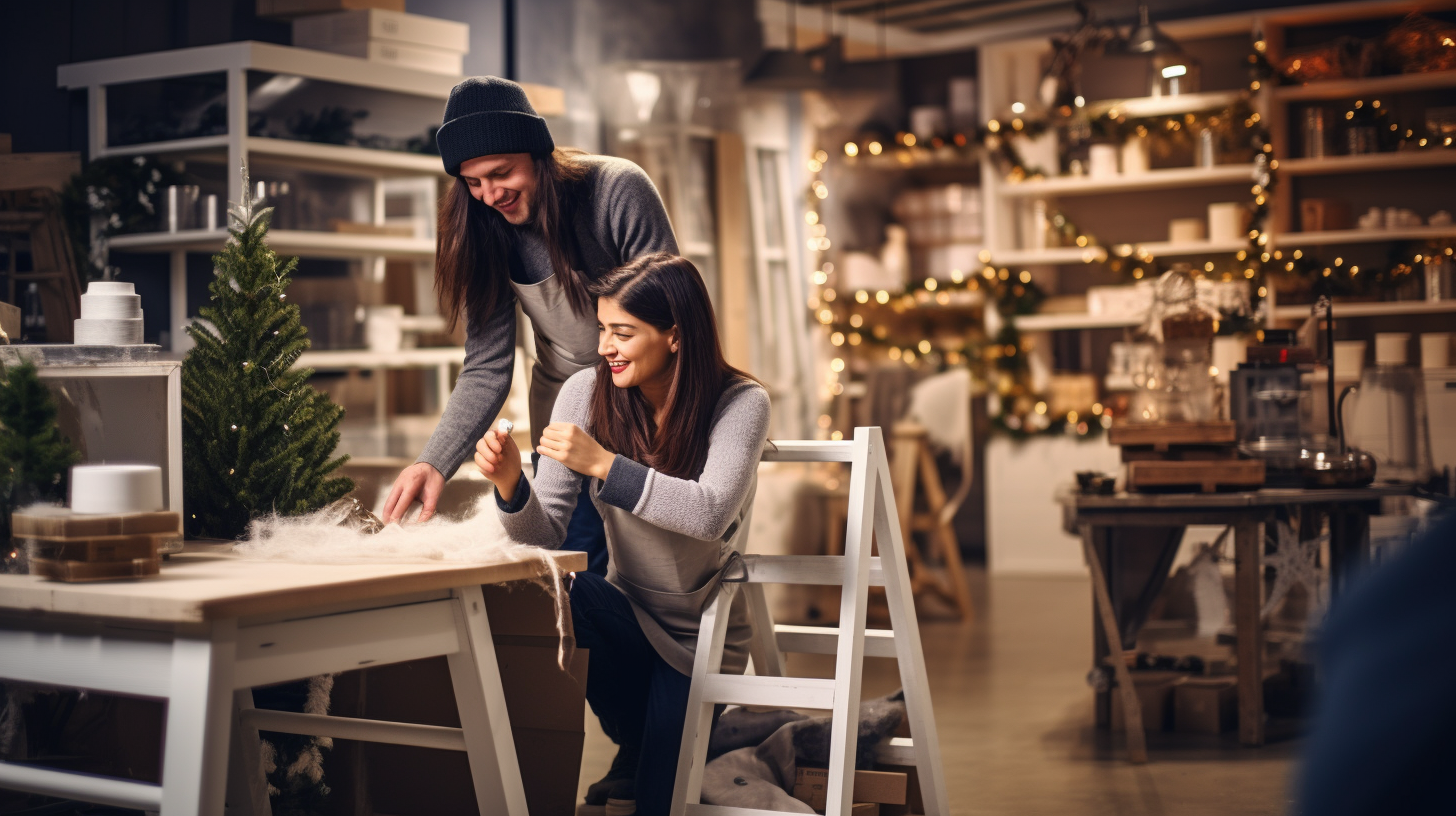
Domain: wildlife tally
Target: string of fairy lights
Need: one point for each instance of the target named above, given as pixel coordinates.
(861, 322)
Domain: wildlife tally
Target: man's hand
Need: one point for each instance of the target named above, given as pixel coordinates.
(499, 461)
(573, 447)
(419, 480)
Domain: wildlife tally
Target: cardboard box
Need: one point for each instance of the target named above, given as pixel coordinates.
(1155, 693)
(1206, 705)
(547, 709)
(417, 57)
(299, 8)
(914, 802)
(10, 321)
(878, 787)
(523, 609)
(324, 31)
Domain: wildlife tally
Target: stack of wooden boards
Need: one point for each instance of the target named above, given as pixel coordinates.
(1182, 455)
(74, 547)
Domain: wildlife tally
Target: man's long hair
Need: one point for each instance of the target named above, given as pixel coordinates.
(664, 290)
(473, 250)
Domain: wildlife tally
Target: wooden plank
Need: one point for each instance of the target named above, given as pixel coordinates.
(735, 268)
(1137, 748)
(208, 586)
(1172, 433)
(1207, 476)
(26, 171)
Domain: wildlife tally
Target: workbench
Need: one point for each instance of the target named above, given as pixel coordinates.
(1131, 539)
(212, 626)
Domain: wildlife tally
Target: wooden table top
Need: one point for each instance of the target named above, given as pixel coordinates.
(1268, 497)
(203, 586)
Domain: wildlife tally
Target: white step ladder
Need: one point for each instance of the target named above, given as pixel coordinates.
(871, 513)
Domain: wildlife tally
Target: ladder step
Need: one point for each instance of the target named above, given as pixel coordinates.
(896, 751)
(808, 450)
(825, 640)
(779, 692)
(822, 570)
(723, 810)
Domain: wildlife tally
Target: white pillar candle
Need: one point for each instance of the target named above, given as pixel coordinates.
(116, 488)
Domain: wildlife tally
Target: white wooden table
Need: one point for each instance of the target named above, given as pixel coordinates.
(212, 626)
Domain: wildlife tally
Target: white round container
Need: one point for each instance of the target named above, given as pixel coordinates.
(1349, 359)
(1436, 350)
(115, 489)
(1392, 348)
(1102, 161)
(107, 332)
(1226, 221)
(1186, 230)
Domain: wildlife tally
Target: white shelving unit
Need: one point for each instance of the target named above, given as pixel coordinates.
(1368, 87)
(235, 60)
(1394, 308)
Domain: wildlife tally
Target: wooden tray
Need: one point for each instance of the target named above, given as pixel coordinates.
(97, 548)
(47, 521)
(1206, 476)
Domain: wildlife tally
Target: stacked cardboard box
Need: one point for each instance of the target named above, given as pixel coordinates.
(393, 37)
(871, 789)
(289, 9)
(546, 707)
(74, 547)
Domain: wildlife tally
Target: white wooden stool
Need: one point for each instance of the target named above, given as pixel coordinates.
(871, 514)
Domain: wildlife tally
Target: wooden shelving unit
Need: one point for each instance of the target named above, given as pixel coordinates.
(1368, 87)
(1394, 308)
(1173, 179)
(1363, 236)
(1369, 163)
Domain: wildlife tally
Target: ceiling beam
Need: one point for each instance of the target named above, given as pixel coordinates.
(969, 13)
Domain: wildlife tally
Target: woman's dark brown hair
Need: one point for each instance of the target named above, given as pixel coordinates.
(664, 290)
(472, 255)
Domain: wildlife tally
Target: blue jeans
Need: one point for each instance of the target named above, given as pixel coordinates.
(584, 533)
(641, 700)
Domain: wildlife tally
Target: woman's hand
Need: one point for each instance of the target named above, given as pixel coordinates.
(573, 447)
(499, 461)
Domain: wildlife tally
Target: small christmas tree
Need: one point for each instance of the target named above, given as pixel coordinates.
(257, 438)
(35, 459)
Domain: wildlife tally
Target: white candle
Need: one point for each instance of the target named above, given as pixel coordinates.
(116, 488)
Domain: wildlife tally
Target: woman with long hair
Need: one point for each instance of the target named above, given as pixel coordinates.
(670, 437)
(527, 223)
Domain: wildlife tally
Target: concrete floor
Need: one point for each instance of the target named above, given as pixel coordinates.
(1015, 720)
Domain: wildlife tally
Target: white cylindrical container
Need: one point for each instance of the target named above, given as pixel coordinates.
(1136, 158)
(1226, 221)
(115, 489)
(383, 328)
(1392, 348)
(1349, 359)
(1186, 230)
(1436, 350)
(1102, 161)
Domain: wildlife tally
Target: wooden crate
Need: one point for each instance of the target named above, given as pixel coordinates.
(1162, 435)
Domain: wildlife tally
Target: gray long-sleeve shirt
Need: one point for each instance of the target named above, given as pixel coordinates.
(667, 537)
(624, 218)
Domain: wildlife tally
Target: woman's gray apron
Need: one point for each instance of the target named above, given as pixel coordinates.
(669, 578)
(565, 344)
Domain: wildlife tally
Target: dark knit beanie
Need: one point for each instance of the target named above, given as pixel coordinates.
(489, 115)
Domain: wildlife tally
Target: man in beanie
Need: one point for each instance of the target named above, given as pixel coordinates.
(526, 222)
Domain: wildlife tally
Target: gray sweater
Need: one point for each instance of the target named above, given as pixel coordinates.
(623, 218)
(667, 537)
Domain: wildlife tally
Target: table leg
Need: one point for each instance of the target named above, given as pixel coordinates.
(483, 717)
(1132, 713)
(199, 720)
(1096, 538)
(1248, 600)
(247, 789)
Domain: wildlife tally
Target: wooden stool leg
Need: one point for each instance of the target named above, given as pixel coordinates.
(1248, 601)
(950, 548)
(905, 464)
(1132, 712)
(199, 723)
